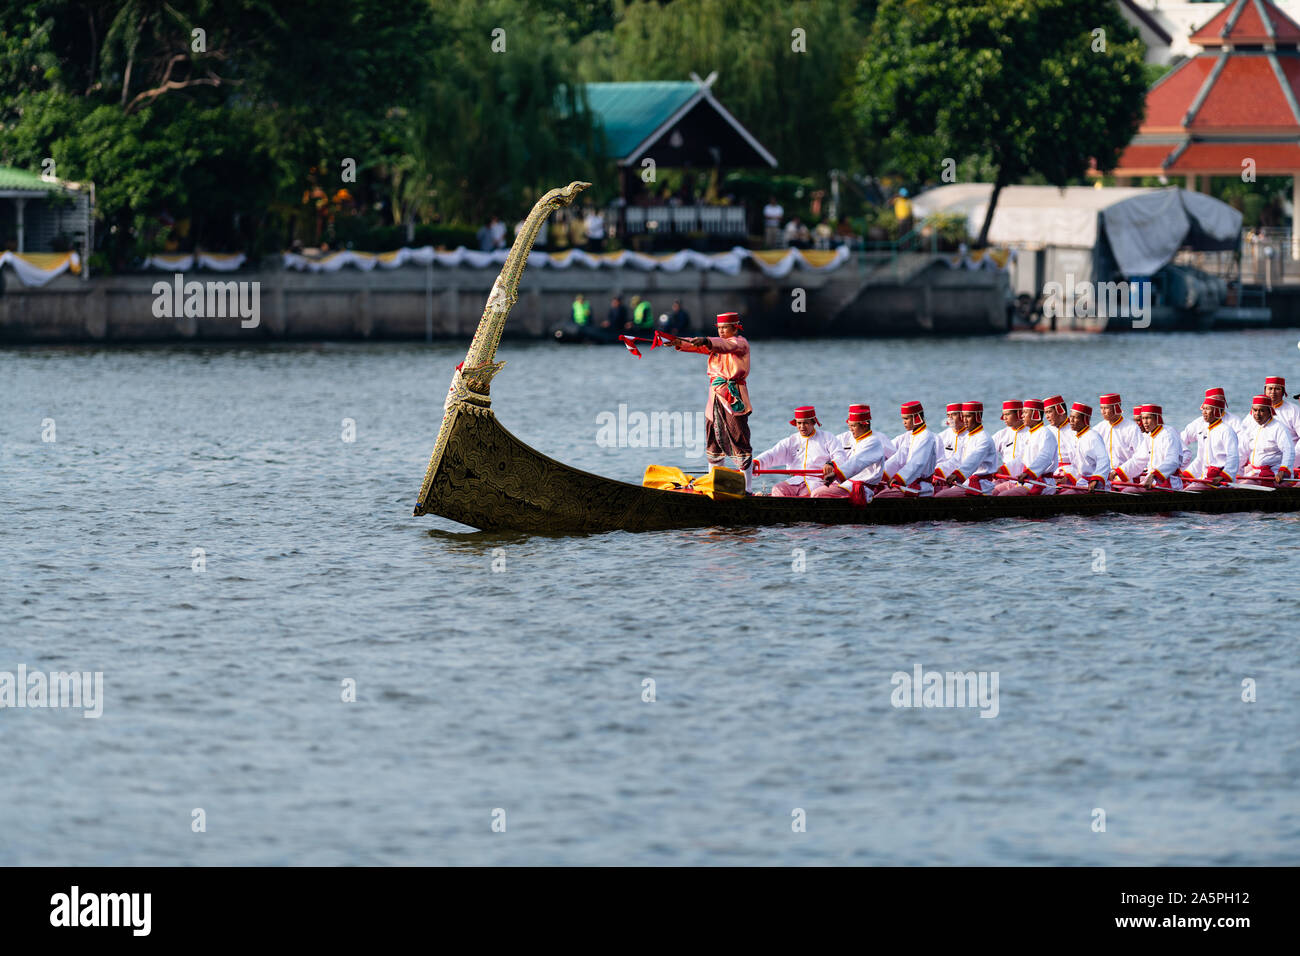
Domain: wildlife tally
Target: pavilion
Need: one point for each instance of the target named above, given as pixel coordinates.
(675, 125)
(1232, 108)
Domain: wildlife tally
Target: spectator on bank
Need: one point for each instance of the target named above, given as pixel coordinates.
(617, 319)
(560, 232)
(577, 233)
(498, 230)
(581, 310)
(676, 322)
(772, 216)
(903, 211)
(595, 226)
(796, 234)
(643, 317)
(484, 238)
(822, 235)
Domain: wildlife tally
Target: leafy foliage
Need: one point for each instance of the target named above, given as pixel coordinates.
(1018, 81)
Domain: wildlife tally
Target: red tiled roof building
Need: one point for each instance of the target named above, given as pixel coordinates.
(1236, 101)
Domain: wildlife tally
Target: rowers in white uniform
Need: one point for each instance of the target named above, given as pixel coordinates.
(1233, 421)
(1057, 419)
(916, 452)
(1010, 441)
(1217, 458)
(1158, 458)
(1040, 457)
(1118, 434)
(846, 439)
(1196, 430)
(974, 472)
(952, 438)
(1269, 451)
(808, 448)
(860, 463)
(948, 437)
(1285, 411)
(1089, 462)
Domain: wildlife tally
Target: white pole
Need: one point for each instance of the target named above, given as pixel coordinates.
(21, 202)
(428, 302)
(1295, 209)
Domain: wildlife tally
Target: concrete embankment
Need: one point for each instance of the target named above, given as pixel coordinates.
(413, 303)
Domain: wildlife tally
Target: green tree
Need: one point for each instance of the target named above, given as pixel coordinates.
(207, 111)
(504, 117)
(1039, 86)
(782, 66)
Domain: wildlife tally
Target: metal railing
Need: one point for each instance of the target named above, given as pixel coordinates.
(680, 220)
(883, 255)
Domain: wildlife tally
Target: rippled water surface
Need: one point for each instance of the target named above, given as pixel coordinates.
(521, 689)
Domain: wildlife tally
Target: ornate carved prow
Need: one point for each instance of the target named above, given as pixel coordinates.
(472, 380)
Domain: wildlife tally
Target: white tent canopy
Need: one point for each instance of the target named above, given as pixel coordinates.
(1146, 227)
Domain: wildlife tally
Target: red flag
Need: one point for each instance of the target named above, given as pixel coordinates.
(663, 338)
(630, 342)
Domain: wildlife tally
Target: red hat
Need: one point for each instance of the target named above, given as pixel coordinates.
(803, 412)
(953, 407)
(1014, 405)
(728, 318)
(911, 408)
(1033, 405)
(1215, 400)
(1209, 392)
(1054, 400)
(1082, 409)
(973, 407)
(1262, 400)
(858, 414)
(1275, 380)
(1151, 410)
(1110, 398)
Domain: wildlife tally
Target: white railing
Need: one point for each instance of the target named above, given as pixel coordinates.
(710, 220)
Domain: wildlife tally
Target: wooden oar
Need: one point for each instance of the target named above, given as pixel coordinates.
(807, 472)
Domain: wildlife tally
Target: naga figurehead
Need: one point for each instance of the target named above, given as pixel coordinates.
(472, 380)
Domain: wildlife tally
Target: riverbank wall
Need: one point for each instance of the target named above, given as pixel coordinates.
(414, 302)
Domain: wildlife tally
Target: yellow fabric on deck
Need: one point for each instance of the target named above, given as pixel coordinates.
(718, 483)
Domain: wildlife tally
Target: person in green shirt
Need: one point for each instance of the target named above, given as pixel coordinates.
(642, 315)
(581, 310)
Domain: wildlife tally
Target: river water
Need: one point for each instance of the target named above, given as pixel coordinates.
(504, 678)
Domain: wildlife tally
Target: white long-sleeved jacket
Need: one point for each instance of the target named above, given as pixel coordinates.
(1267, 446)
(1288, 413)
(1216, 447)
(1041, 458)
(1161, 454)
(1088, 457)
(862, 460)
(795, 451)
(914, 458)
(1011, 445)
(979, 460)
(1120, 440)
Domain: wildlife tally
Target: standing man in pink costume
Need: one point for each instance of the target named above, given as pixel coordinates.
(728, 409)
